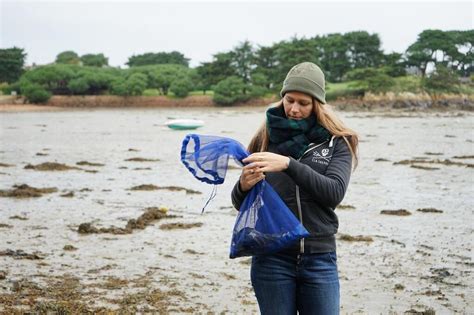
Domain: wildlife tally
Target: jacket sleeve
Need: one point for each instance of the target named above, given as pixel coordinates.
(238, 195)
(328, 189)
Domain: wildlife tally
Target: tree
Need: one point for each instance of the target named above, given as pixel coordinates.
(181, 86)
(243, 61)
(291, 53)
(334, 58)
(162, 76)
(229, 91)
(68, 57)
(394, 64)
(452, 49)
(54, 78)
(173, 57)
(12, 61)
(266, 62)
(136, 84)
(363, 49)
(463, 57)
(220, 68)
(94, 60)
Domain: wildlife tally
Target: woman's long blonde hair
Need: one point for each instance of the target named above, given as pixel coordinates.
(326, 118)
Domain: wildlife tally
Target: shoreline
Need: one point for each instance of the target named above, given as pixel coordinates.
(388, 102)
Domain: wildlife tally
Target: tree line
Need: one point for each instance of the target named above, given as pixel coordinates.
(245, 71)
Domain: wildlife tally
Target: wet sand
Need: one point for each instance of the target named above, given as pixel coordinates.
(405, 241)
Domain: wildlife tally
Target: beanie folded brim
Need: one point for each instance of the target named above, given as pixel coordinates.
(301, 84)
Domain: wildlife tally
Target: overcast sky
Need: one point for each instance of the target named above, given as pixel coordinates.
(198, 29)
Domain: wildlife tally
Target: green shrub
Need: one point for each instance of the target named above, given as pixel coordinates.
(136, 84)
(7, 89)
(181, 86)
(442, 80)
(35, 93)
(119, 87)
(257, 91)
(409, 83)
(229, 91)
(332, 95)
(78, 86)
(360, 74)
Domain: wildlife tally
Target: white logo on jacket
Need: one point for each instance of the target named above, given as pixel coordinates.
(322, 157)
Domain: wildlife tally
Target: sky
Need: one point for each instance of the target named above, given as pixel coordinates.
(120, 29)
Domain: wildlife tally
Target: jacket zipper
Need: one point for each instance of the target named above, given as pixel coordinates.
(298, 200)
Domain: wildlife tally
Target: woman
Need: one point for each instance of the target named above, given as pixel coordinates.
(307, 154)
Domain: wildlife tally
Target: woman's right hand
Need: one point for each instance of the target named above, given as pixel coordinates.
(251, 175)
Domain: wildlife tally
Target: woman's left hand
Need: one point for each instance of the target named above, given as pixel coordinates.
(267, 161)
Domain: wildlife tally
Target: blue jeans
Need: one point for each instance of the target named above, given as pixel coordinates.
(285, 284)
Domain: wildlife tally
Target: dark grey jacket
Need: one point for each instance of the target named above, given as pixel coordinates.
(312, 187)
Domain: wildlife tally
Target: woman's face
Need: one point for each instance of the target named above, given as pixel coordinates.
(297, 105)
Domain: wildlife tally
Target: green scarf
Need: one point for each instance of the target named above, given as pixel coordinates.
(292, 137)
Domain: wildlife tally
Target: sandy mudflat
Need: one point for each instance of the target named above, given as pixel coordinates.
(81, 236)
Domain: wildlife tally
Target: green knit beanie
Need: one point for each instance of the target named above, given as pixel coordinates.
(305, 77)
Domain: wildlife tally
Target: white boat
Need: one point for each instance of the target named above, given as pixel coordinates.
(183, 124)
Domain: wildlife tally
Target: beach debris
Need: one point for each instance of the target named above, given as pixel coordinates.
(142, 169)
(157, 299)
(433, 292)
(429, 210)
(139, 159)
(381, 160)
(41, 154)
(51, 166)
(86, 163)
(133, 150)
(20, 254)
(345, 207)
(399, 212)
(147, 218)
(433, 153)
(103, 268)
(25, 191)
(85, 189)
(114, 283)
(68, 195)
(3, 274)
(398, 287)
(428, 311)
(436, 161)
(463, 157)
(69, 247)
(4, 225)
(397, 242)
(170, 188)
(357, 238)
(427, 168)
(17, 217)
(192, 252)
(6, 165)
(180, 225)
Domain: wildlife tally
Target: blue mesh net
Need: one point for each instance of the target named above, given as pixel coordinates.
(264, 224)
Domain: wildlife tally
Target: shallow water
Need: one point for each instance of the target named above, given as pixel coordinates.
(410, 256)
